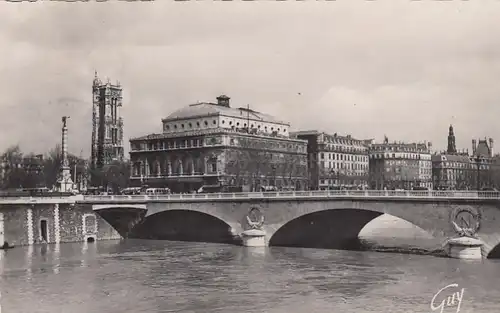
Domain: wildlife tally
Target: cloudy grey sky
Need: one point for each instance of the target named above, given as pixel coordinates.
(402, 68)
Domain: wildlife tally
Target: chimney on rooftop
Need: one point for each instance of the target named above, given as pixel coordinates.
(223, 100)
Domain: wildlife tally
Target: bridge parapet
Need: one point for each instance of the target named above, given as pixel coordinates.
(40, 200)
(278, 196)
(298, 195)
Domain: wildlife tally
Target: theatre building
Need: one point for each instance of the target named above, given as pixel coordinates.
(214, 145)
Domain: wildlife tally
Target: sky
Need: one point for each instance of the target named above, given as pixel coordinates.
(401, 68)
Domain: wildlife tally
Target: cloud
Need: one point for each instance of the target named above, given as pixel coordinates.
(407, 70)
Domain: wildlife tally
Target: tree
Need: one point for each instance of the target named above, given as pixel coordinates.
(463, 180)
(13, 174)
(20, 170)
(293, 167)
(52, 166)
(249, 160)
(494, 172)
(114, 176)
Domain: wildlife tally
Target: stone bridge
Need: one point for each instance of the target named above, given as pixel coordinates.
(322, 219)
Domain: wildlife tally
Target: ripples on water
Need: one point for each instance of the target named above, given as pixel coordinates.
(154, 276)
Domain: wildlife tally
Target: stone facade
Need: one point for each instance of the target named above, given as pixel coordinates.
(26, 224)
(454, 172)
(335, 162)
(399, 165)
(212, 144)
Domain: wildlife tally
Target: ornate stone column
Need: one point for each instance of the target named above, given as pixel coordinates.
(141, 168)
(147, 169)
(218, 163)
(181, 167)
(169, 167)
(192, 166)
(64, 181)
(205, 164)
(158, 168)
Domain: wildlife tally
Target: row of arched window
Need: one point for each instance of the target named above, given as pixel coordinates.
(175, 166)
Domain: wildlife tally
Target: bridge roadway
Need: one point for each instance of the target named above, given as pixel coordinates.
(321, 219)
(331, 194)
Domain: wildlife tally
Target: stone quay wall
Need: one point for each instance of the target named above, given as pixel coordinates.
(27, 224)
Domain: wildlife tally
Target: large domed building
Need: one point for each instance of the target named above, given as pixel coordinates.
(215, 146)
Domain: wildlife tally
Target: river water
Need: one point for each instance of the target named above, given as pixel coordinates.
(159, 276)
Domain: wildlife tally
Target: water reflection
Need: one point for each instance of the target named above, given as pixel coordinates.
(88, 253)
(29, 261)
(56, 261)
(83, 261)
(2, 261)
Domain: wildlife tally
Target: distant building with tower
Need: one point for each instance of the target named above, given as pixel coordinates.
(459, 170)
(453, 169)
(107, 123)
(486, 163)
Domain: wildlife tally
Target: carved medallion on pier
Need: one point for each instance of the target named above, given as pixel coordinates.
(466, 220)
(255, 218)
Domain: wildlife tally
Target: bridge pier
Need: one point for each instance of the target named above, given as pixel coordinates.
(254, 238)
(465, 248)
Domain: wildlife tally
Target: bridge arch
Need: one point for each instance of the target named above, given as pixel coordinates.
(494, 253)
(329, 228)
(121, 217)
(185, 225)
(345, 219)
(491, 245)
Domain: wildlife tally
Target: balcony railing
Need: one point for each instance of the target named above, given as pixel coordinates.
(176, 175)
(331, 194)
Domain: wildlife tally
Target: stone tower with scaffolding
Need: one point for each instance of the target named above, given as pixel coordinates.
(107, 123)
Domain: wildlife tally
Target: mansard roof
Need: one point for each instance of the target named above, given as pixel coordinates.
(329, 136)
(210, 131)
(483, 149)
(205, 109)
(451, 158)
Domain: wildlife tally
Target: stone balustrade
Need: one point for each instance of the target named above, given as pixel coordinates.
(355, 194)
